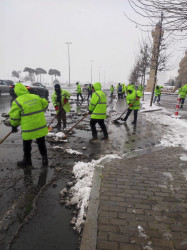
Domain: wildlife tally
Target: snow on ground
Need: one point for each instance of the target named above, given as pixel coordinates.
(80, 192)
(146, 106)
(183, 157)
(71, 151)
(57, 136)
(175, 134)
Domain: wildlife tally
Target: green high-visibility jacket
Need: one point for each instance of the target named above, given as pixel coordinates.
(64, 95)
(98, 103)
(131, 98)
(79, 89)
(112, 90)
(140, 88)
(28, 111)
(182, 92)
(158, 91)
(185, 88)
(123, 88)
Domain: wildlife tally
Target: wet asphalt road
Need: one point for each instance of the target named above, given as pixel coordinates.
(49, 222)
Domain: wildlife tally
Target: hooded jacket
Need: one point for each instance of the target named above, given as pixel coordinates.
(98, 103)
(131, 98)
(28, 111)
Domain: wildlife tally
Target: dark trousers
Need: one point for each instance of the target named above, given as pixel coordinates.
(61, 116)
(135, 114)
(120, 95)
(80, 96)
(182, 101)
(101, 123)
(156, 98)
(89, 94)
(27, 146)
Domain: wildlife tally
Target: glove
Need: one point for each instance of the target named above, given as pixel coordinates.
(56, 107)
(14, 129)
(130, 104)
(137, 98)
(65, 101)
(90, 112)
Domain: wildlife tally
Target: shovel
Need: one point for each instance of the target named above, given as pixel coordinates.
(116, 120)
(6, 137)
(67, 132)
(50, 128)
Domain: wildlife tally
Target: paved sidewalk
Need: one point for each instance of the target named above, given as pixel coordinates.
(143, 203)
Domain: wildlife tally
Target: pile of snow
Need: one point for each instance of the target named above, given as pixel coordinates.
(57, 136)
(146, 107)
(80, 192)
(175, 135)
(72, 151)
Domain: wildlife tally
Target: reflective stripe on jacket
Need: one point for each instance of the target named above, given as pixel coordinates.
(28, 111)
(64, 95)
(98, 103)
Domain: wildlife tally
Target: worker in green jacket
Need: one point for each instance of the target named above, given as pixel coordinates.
(140, 88)
(123, 90)
(182, 92)
(133, 100)
(60, 100)
(28, 111)
(89, 91)
(111, 91)
(97, 109)
(79, 91)
(157, 94)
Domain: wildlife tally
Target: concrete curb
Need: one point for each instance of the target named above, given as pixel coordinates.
(89, 237)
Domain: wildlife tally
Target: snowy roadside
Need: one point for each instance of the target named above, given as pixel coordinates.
(79, 194)
(175, 134)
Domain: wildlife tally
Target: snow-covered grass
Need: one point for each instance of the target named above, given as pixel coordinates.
(80, 192)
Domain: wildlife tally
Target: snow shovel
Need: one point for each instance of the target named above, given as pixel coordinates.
(116, 120)
(67, 132)
(6, 137)
(50, 128)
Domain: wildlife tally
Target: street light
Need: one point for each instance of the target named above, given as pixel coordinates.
(91, 70)
(68, 43)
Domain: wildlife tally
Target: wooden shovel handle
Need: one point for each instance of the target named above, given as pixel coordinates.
(77, 123)
(5, 137)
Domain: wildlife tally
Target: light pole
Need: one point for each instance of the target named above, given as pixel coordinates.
(68, 43)
(91, 61)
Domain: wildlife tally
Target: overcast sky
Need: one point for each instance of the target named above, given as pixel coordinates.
(34, 33)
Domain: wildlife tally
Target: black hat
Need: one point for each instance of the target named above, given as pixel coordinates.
(57, 86)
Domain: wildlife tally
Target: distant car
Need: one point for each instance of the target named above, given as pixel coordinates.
(4, 86)
(34, 88)
(85, 87)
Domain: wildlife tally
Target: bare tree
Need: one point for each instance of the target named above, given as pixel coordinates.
(174, 13)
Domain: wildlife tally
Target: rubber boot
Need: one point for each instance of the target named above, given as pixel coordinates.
(25, 163)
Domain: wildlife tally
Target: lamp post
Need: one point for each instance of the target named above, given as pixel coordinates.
(68, 43)
(91, 61)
